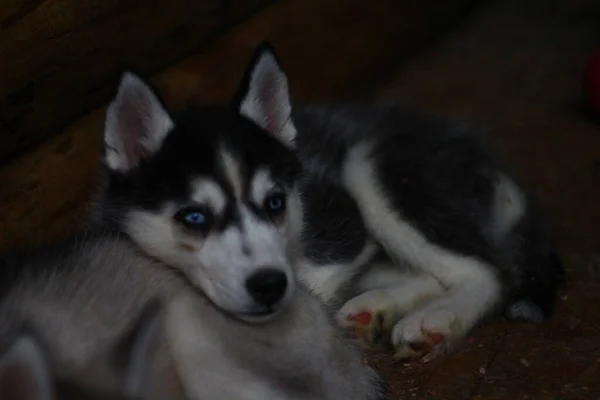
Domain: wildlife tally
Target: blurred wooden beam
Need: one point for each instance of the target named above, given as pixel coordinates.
(330, 49)
(61, 58)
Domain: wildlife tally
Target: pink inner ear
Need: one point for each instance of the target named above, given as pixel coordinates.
(268, 100)
(132, 126)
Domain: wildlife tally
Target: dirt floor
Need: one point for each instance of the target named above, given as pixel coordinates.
(514, 68)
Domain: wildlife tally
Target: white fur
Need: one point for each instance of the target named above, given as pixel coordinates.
(185, 324)
(232, 168)
(294, 224)
(260, 186)
(220, 263)
(381, 276)
(267, 102)
(327, 280)
(406, 289)
(391, 293)
(473, 289)
(509, 207)
(134, 118)
(208, 193)
(415, 291)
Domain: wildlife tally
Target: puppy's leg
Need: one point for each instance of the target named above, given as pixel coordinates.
(387, 294)
(474, 289)
(473, 292)
(328, 281)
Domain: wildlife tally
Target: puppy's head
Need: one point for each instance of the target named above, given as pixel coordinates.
(211, 191)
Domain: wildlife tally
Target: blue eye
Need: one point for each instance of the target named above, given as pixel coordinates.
(275, 204)
(195, 217)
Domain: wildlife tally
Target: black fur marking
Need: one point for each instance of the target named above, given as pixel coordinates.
(191, 151)
(334, 231)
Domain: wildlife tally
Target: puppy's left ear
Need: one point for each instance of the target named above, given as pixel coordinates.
(264, 96)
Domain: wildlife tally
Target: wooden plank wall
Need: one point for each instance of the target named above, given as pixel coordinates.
(60, 58)
(331, 49)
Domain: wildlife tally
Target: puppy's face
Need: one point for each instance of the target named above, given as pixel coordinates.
(227, 229)
(211, 192)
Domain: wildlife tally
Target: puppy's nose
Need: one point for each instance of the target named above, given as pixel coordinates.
(267, 286)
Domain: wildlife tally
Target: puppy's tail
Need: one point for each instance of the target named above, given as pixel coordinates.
(539, 273)
(538, 299)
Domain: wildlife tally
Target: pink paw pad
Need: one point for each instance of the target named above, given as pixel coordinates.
(434, 338)
(362, 318)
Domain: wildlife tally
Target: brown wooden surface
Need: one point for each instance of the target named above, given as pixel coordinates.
(330, 48)
(61, 58)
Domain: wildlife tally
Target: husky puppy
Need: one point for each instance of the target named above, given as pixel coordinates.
(382, 211)
(200, 213)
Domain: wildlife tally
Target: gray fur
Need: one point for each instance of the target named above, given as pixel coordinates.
(82, 297)
(26, 371)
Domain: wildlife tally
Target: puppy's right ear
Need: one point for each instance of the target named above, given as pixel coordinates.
(25, 372)
(136, 124)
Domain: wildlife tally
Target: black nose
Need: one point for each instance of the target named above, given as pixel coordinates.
(267, 286)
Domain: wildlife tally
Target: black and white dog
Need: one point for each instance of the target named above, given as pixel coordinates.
(383, 212)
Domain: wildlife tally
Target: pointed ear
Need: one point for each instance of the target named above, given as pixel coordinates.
(136, 351)
(136, 124)
(25, 372)
(264, 97)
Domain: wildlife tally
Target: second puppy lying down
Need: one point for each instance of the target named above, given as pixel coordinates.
(81, 296)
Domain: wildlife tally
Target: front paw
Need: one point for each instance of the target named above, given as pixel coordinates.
(370, 316)
(426, 333)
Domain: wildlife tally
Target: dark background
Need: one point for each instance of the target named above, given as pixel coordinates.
(512, 67)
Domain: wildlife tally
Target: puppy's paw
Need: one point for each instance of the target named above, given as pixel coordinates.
(370, 316)
(426, 333)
